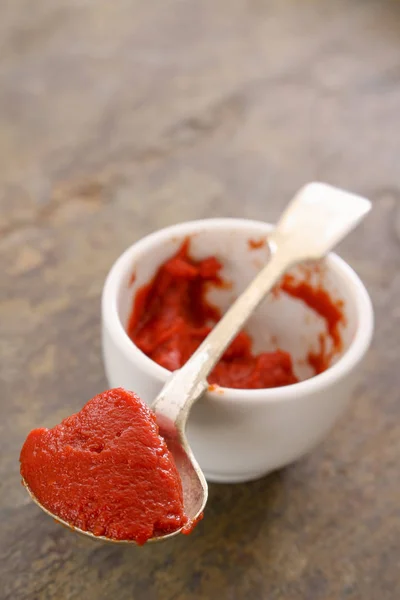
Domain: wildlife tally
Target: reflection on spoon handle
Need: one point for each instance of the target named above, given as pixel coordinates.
(316, 219)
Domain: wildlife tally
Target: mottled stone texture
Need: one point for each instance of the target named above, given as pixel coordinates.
(120, 117)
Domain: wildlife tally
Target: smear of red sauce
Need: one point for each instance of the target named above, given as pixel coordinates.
(319, 301)
(107, 470)
(132, 278)
(188, 528)
(171, 316)
(256, 244)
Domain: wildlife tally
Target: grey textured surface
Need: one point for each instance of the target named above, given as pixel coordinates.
(117, 118)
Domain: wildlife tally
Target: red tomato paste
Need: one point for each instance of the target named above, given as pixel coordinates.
(257, 244)
(320, 301)
(106, 470)
(171, 316)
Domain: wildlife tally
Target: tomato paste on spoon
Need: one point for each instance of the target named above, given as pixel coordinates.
(106, 470)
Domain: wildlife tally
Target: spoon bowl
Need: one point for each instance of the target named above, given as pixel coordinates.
(98, 538)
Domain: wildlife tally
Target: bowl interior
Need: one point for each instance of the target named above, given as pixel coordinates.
(281, 321)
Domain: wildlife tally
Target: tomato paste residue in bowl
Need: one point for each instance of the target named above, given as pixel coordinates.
(320, 302)
(171, 316)
(106, 470)
(256, 244)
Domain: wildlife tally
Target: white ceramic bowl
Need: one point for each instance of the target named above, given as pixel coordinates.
(239, 435)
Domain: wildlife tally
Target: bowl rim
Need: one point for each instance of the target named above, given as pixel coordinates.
(122, 267)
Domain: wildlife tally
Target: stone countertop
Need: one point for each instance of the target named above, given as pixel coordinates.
(117, 118)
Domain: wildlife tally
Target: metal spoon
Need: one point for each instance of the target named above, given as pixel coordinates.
(316, 219)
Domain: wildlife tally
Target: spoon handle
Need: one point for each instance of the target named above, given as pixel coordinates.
(316, 219)
(189, 382)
